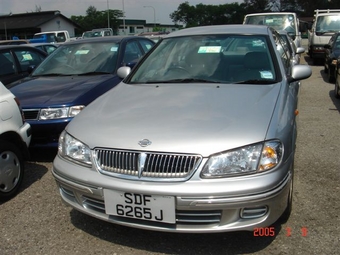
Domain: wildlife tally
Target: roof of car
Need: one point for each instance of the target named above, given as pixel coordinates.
(222, 29)
(113, 38)
(20, 46)
(13, 42)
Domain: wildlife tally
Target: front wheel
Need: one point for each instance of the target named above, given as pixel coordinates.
(330, 75)
(11, 169)
(336, 88)
(325, 68)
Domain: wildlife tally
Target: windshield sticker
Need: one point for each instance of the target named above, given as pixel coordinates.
(114, 48)
(82, 52)
(27, 57)
(266, 75)
(209, 49)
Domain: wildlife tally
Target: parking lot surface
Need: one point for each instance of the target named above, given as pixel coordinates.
(37, 222)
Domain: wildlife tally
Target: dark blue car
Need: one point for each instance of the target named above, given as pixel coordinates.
(332, 53)
(72, 77)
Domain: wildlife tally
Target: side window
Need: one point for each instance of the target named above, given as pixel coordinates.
(337, 43)
(49, 49)
(28, 58)
(132, 52)
(146, 45)
(61, 37)
(282, 48)
(6, 64)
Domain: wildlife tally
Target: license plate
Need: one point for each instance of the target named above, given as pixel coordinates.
(140, 206)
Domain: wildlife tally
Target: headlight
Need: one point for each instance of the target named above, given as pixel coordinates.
(246, 160)
(319, 48)
(72, 149)
(59, 113)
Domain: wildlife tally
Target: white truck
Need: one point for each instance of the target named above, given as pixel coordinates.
(51, 37)
(325, 24)
(278, 20)
(98, 32)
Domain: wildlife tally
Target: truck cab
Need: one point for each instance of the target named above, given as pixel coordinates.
(51, 37)
(325, 24)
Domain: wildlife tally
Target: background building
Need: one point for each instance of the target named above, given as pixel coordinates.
(25, 25)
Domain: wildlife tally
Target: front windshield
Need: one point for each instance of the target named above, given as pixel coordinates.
(80, 58)
(211, 58)
(328, 23)
(278, 21)
(87, 34)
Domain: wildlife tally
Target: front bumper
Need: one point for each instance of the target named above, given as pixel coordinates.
(26, 136)
(195, 213)
(318, 51)
(45, 133)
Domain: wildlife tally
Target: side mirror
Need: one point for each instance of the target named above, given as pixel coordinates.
(30, 69)
(123, 71)
(300, 50)
(300, 72)
(327, 46)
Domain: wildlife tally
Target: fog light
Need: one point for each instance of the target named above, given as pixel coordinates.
(253, 212)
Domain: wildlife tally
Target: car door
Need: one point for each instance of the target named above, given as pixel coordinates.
(27, 59)
(328, 51)
(8, 68)
(146, 44)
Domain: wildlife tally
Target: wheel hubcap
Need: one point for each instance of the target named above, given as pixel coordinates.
(9, 171)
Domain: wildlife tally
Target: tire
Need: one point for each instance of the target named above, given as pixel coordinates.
(11, 170)
(330, 76)
(336, 89)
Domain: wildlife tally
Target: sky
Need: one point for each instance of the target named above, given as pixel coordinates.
(134, 9)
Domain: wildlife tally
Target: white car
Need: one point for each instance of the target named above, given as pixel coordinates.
(15, 136)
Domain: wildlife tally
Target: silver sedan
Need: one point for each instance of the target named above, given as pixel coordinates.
(198, 137)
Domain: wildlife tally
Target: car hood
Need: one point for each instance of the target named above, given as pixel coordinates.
(183, 118)
(56, 90)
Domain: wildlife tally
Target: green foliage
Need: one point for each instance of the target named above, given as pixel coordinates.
(98, 19)
(200, 14)
(203, 15)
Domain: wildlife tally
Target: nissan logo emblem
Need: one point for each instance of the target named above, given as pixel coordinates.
(144, 142)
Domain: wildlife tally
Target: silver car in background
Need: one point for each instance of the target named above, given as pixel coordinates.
(294, 51)
(199, 137)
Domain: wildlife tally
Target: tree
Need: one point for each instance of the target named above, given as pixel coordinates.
(308, 7)
(254, 6)
(98, 19)
(203, 15)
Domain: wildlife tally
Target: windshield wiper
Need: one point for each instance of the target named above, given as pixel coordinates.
(92, 73)
(255, 81)
(51, 74)
(186, 80)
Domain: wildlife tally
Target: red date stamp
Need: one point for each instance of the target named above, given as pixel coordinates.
(303, 231)
(266, 231)
(270, 231)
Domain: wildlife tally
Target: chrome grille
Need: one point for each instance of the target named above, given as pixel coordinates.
(198, 217)
(146, 165)
(31, 114)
